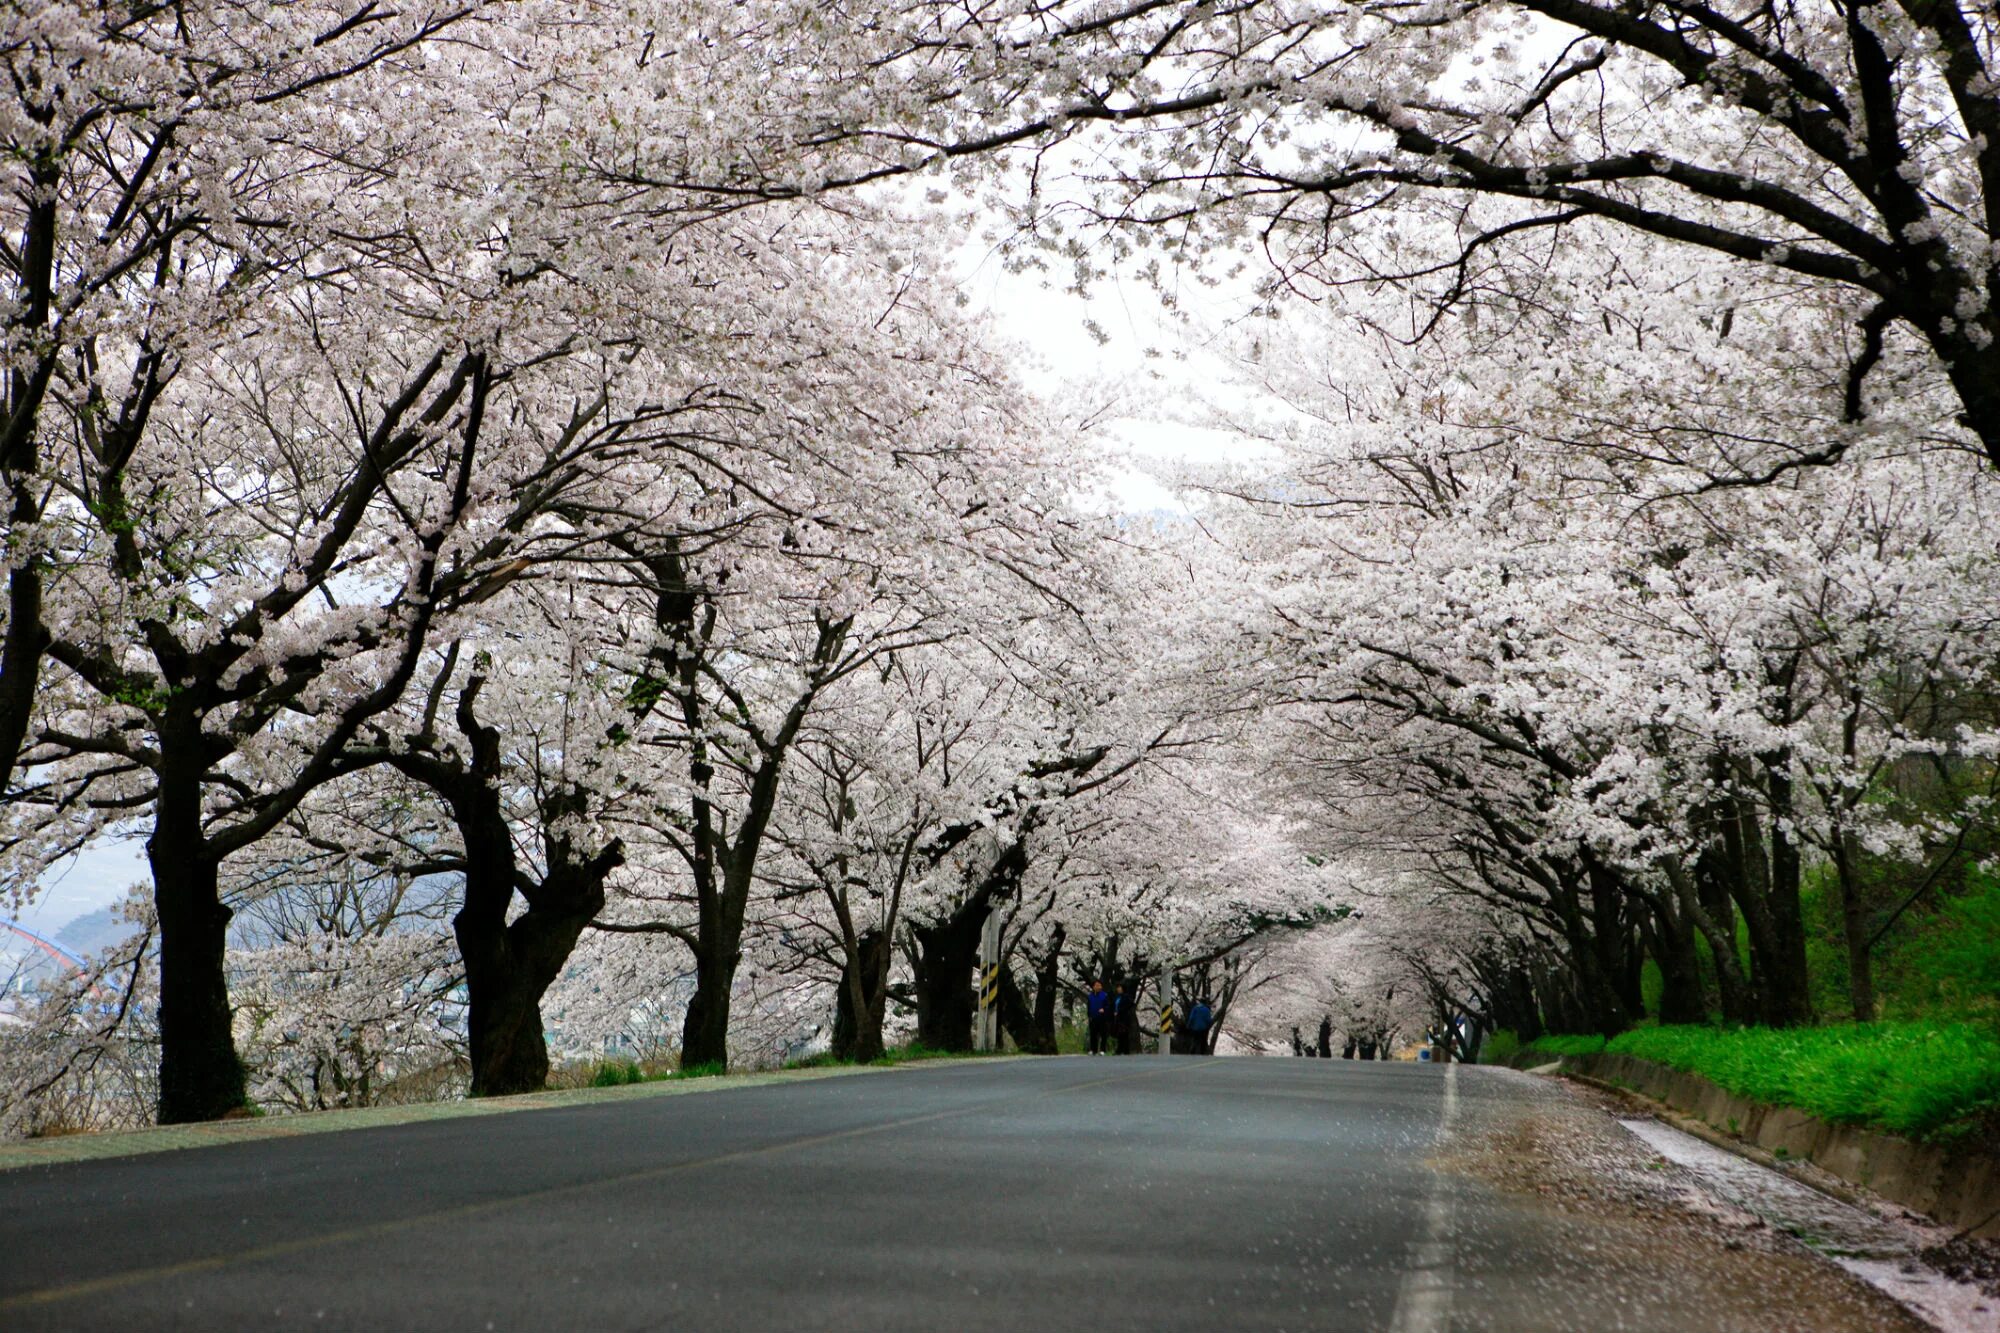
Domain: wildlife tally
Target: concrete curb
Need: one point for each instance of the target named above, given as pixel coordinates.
(1806, 1173)
(218, 1133)
(1958, 1185)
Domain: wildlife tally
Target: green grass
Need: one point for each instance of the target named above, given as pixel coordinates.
(619, 1073)
(1499, 1048)
(916, 1051)
(894, 1055)
(1930, 1080)
(1940, 959)
(1945, 961)
(616, 1074)
(713, 1069)
(1929, 1070)
(823, 1060)
(1553, 1047)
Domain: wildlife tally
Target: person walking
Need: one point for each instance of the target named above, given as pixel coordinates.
(1121, 1021)
(1199, 1019)
(1098, 1009)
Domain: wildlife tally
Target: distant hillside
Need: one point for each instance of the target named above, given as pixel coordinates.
(94, 931)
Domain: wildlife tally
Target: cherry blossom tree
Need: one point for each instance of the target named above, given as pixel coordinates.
(888, 476)
(83, 1053)
(344, 989)
(1548, 664)
(154, 180)
(1854, 147)
(332, 461)
(881, 774)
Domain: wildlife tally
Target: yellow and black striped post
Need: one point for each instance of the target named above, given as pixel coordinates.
(986, 1023)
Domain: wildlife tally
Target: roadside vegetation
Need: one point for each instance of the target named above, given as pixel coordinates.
(912, 1053)
(1931, 1080)
(619, 1073)
(1929, 1070)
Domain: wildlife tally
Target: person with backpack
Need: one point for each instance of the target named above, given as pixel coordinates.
(1097, 1006)
(1199, 1019)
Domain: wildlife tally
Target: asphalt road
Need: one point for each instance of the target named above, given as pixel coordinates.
(1133, 1193)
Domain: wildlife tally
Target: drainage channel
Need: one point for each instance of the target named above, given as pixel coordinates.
(1883, 1252)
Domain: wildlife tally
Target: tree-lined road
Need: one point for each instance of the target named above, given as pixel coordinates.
(1141, 1193)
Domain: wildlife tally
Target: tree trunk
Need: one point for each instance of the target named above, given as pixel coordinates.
(200, 1075)
(718, 946)
(1792, 1004)
(1565, 1013)
(1682, 999)
(504, 990)
(947, 954)
(718, 949)
(1718, 906)
(509, 1049)
(1523, 1009)
(21, 652)
(510, 966)
(27, 385)
(1611, 935)
(1593, 991)
(862, 1000)
(1717, 930)
(1855, 926)
(1016, 1018)
(705, 1030)
(1777, 959)
(1047, 984)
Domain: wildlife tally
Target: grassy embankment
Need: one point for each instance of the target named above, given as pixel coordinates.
(1923, 1079)
(1930, 1070)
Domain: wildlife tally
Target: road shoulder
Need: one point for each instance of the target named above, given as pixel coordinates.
(221, 1133)
(1555, 1151)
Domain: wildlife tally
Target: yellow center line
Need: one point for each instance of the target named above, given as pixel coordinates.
(390, 1226)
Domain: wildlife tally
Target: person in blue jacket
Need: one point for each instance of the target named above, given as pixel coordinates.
(1098, 1007)
(1199, 1019)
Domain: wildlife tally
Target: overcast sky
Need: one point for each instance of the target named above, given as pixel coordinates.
(1158, 366)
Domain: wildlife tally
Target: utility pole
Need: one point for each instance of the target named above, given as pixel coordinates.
(1166, 1010)
(986, 1027)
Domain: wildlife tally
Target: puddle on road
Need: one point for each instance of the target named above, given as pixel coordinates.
(1880, 1251)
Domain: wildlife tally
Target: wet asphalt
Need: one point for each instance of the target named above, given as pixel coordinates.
(1077, 1193)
